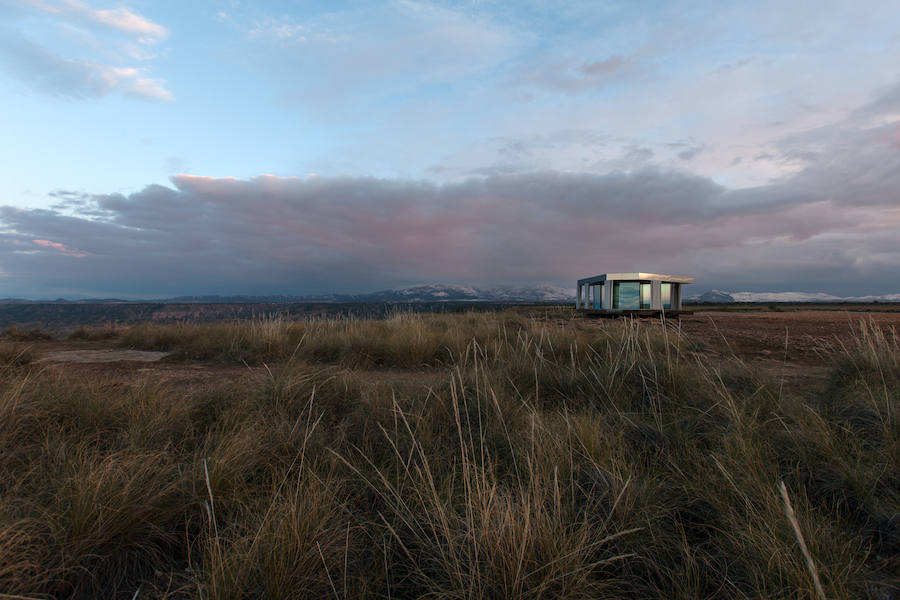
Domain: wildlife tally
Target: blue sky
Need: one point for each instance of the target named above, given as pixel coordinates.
(156, 148)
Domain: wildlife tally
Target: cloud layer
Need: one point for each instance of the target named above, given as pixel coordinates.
(832, 227)
(455, 88)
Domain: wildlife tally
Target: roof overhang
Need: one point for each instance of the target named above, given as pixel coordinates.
(635, 277)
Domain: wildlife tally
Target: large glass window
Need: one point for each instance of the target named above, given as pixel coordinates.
(645, 294)
(626, 295)
(666, 295)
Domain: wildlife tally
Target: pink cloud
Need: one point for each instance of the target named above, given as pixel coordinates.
(120, 19)
(62, 248)
(320, 234)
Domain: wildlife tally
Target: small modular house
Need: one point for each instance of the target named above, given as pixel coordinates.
(630, 293)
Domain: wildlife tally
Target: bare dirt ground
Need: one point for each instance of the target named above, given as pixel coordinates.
(105, 355)
(112, 362)
(802, 337)
(796, 347)
(105, 359)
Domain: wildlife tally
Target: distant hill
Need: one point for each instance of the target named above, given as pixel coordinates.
(808, 297)
(438, 292)
(714, 297)
(720, 297)
(419, 293)
(539, 294)
(65, 301)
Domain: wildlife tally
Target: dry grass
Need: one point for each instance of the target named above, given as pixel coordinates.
(16, 355)
(511, 458)
(106, 332)
(16, 333)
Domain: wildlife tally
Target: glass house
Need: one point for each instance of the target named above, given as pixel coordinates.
(630, 292)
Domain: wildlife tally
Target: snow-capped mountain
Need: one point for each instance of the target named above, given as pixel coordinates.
(808, 297)
(420, 293)
(713, 297)
(717, 296)
(463, 293)
(449, 293)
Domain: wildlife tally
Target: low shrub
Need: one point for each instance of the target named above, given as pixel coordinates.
(17, 355)
(17, 333)
(93, 334)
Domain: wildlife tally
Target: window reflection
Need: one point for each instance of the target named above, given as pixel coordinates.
(645, 294)
(627, 295)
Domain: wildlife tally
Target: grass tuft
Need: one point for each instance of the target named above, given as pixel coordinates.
(17, 355)
(94, 334)
(16, 333)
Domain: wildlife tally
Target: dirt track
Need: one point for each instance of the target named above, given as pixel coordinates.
(103, 355)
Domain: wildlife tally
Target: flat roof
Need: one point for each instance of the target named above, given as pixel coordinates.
(635, 277)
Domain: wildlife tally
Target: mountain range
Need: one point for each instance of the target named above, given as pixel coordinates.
(720, 297)
(460, 293)
(419, 293)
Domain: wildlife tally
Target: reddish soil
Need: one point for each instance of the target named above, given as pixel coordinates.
(112, 362)
(105, 355)
(795, 346)
(801, 337)
(105, 359)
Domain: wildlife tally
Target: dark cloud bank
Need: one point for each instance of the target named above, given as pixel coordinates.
(832, 226)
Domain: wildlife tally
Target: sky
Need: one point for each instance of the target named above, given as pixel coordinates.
(159, 148)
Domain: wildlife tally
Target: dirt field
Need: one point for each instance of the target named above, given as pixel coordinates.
(801, 337)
